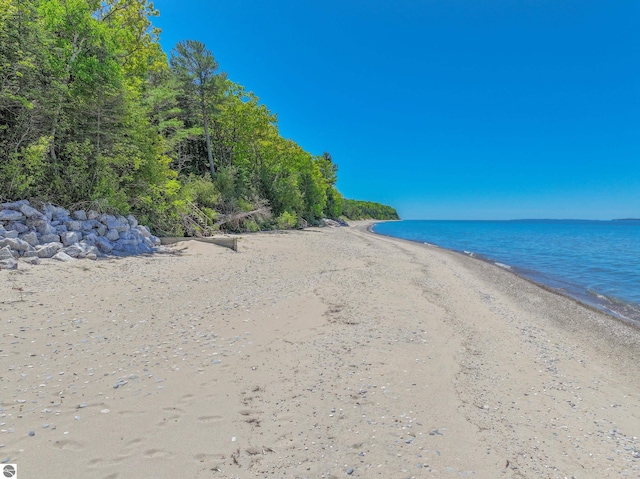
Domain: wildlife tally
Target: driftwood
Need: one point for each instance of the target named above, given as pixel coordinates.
(261, 212)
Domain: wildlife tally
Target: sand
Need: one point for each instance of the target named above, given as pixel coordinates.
(308, 354)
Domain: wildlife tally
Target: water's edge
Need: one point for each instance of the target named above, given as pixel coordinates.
(615, 308)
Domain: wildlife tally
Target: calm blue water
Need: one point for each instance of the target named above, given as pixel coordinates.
(597, 262)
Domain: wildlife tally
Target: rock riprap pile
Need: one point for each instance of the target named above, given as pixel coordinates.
(29, 234)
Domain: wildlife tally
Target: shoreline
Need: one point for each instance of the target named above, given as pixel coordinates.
(310, 355)
(626, 312)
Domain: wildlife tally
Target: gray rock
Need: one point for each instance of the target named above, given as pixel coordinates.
(11, 234)
(16, 244)
(7, 253)
(11, 206)
(112, 235)
(8, 264)
(30, 254)
(155, 240)
(62, 256)
(48, 250)
(19, 227)
(44, 227)
(31, 238)
(74, 250)
(106, 219)
(90, 238)
(52, 238)
(101, 229)
(133, 222)
(73, 225)
(88, 225)
(80, 215)
(142, 231)
(58, 213)
(30, 211)
(34, 260)
(121, 226)
(11, 215)
(93, 215)
(144, 248)
(70, 237)
(61, 229)
(104, 245)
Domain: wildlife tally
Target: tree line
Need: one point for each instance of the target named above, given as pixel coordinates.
(93, 112)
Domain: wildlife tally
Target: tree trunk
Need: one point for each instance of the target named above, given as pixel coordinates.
(208, 138)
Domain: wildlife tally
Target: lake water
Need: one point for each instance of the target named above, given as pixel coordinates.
(596, 262)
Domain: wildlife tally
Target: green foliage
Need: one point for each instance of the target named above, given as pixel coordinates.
(359, 210)
(286, 221)
(21, 174)
(92, 111)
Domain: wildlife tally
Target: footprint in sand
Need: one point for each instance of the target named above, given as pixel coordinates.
(70, 445)
(99, 462)
(173, 409)
(131, 413)
(247, 412)
(208, 419)
(157, 453)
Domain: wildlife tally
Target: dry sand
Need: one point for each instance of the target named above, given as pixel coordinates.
(310, 354)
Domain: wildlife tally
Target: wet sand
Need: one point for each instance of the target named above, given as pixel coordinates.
(320, 353)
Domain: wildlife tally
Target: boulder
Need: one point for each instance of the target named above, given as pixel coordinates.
(7, 253)
(112, 235)
(16, 244)
(52, 238)
(44, 228)
(11, 215)
(88, 225)
(70, 237)
(34, 260)
(62, 256)
(12, 206)
(73, 225)
(74, 250)
(48, 250)
(19, 227)
(31, 237)
(8, 264)
(80, 215)
(104, 245)
(142, 231)
(58, 213)
(30, 211)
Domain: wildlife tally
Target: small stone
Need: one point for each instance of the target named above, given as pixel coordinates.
(350, 471)
(32, 433)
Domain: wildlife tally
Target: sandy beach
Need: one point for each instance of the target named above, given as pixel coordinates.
(322, 353)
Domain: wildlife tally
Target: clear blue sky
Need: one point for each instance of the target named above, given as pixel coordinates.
(445, 109)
